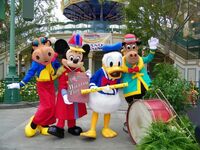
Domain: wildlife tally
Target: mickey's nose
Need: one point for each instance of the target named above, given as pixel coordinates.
(75, 61)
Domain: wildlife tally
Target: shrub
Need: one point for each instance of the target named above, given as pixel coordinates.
(173, 87)
(2, 90)
(27, 93)
(161, 136)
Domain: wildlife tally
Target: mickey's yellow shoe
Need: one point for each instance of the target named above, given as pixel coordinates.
(108, 133)
(29, 132)
(89, 133)
(43, 130)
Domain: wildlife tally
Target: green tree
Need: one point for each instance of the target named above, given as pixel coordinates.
(43, 20)
(160, 18)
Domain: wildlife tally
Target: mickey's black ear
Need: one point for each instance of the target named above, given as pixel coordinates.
(86, 48)
(61, 46)
(123, 43)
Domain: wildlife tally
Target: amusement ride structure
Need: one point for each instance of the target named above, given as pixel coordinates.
(97, 15)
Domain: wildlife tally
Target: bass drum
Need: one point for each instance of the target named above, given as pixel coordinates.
(142, 113)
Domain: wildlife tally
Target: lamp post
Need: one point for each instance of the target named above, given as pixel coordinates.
(12, 95)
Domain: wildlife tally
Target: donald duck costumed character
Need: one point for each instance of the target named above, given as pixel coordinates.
(107, 100)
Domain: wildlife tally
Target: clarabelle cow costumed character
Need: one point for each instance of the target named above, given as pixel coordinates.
(72, 61)
(44, 65)
(135, 72)
(107, 100)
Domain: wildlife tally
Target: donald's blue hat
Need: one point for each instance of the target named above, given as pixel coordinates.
(112, 47)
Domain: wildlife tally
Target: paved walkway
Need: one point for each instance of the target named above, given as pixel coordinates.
(12, 122)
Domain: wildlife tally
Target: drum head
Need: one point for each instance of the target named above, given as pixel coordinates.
(138, 119)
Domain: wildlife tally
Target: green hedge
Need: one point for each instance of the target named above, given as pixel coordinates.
(176, 89)
(27, 93)
(161, 136)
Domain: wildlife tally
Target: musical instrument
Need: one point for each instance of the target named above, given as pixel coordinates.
(115, 86)
(142, 113)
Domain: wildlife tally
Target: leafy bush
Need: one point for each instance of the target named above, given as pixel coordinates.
(161, 136)
(2, 90)
(28, 92)
(173, 87)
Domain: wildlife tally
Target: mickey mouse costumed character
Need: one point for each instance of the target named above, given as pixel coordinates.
(44, 65)
(107, 100)
(72, 62)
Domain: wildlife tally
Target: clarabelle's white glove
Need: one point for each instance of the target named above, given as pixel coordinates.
(13, 86)
(153, 43)
(65, 97)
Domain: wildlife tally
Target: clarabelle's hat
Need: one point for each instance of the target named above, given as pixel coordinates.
(75, 43)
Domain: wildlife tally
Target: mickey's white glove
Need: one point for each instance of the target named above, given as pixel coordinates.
(153, 43)
(13, 86)
(88, 73)
(65, 98)
(107, 89)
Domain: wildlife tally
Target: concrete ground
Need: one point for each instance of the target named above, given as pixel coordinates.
(13, 121)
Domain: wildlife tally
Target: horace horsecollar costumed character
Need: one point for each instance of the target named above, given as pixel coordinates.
(134, 70)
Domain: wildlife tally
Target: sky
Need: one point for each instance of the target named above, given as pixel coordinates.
(58, 12)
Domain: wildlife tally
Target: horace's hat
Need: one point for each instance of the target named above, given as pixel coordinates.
(130, 39)
(75, 43)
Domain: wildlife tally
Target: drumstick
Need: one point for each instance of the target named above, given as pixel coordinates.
(115, 86)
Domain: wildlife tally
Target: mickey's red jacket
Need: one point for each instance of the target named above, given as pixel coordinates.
(65, 111)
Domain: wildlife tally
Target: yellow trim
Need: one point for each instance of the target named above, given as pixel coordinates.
(78, 49)
(125, 67)
(47, 74)
(152, 52)
(138, 87)
(60, 71)
(140, 63)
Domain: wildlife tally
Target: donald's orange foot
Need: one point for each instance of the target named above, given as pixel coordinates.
(108, 133)
(90, 134)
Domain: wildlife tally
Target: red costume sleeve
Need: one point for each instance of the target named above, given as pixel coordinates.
(63, 81)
